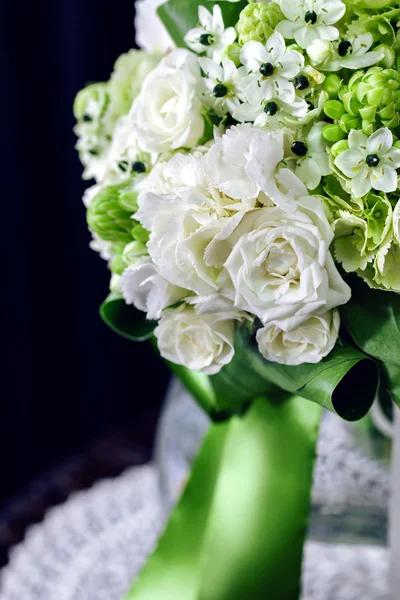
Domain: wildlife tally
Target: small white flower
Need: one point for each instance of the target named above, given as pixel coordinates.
(309, 20)
(370, 162)
(273, 113)
(198, 342)
(289, 342)
(210, 37)
(125, 158)
(349, 54)
(143, 286)
(221, 82)
(315, 164)
(167, 113)
(271, 69)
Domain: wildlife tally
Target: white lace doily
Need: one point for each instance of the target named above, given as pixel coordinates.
(92, 548)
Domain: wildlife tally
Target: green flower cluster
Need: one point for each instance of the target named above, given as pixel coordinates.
(370, 100)
(99, 106)
(258, 21)
(366, 234)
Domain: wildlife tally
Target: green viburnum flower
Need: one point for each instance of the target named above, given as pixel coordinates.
(373, 96)
(124, 256)
(107, 218)
(351, 242)
(386, 266)
(130, 71)
(337, 199)
(257, 22)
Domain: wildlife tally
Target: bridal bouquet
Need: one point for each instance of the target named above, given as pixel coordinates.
(247, 201)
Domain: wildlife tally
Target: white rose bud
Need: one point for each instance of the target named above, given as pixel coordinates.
(143, 286)
(320, 51)
(289, 343)
(198, 342)
(167, 113)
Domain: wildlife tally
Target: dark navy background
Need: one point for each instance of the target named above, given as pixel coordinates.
(65, 378)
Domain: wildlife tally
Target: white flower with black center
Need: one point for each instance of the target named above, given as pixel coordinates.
(352, 53)
(211, 37)
(271, 69)
(222, 82)
(370, 163)
(273, 113)
(309, 20)
(312, 158)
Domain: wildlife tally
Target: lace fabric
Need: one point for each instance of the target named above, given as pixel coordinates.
(93, 546)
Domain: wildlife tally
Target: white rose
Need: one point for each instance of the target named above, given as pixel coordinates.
(198, 342)
(143, 286)
(290, 343)
(167, 112)
(151, 35)
(280, 265)
(182, 227)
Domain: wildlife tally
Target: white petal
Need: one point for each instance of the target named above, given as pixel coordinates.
(246, 112)
(350, 162)
(334, 11)
(228, 37)
(275, 47)
(284, 89)
(380, 142)
(253, 54)
(362, 43)
(205, 18)
(292, 9)
(291, 63)
(384, 178)
(211, 68)
(357, 140)
(287, 28)
(327, 32)
(304, 36)
(361, 184)
(309, 173)
(217, 21)
(392, 158)
(360, 62)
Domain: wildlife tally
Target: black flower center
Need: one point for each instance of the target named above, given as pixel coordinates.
(372, 160)
(301, 82)
(220, 90)
(87, 118)
(267, 69)
(344, 47)
(271, 108)
(93, 152)
(299, 149)
(206, 39)
(139, 167)
(310, 17)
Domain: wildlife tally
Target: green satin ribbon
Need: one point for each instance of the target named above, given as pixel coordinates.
(239, 528)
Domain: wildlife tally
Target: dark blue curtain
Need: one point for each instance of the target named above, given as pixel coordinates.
(64, 377)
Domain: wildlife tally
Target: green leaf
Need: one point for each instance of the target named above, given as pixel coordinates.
(126, 320)
(330, 383)
(253, 474)
(372, 317)
(179, 16)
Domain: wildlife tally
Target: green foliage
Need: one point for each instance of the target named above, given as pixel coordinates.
(126, 320)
